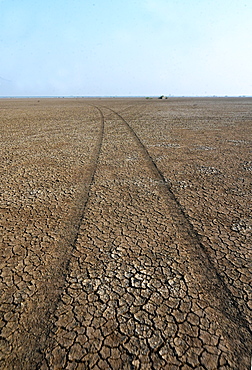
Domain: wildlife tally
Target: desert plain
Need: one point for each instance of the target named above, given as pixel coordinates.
(126, 233)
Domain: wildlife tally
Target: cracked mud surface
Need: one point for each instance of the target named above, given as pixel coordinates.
(126, 234)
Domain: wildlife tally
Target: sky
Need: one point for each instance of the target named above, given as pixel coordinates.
(125, 47)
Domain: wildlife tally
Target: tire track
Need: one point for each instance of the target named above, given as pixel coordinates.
(130, 300)
(212, 282)
(89, 177)
(37, 321)
(85, 191)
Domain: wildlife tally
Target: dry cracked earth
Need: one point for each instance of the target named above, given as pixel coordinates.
(126, 234)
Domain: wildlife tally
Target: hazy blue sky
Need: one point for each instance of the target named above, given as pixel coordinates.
(125, 47)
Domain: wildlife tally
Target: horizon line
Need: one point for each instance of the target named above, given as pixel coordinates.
(119, 96)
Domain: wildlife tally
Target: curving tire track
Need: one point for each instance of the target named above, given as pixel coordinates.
(212, 282)
(136, 288)
(140, 292)
(36, 322)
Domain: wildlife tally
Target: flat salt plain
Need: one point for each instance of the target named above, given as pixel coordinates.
(126, 230)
